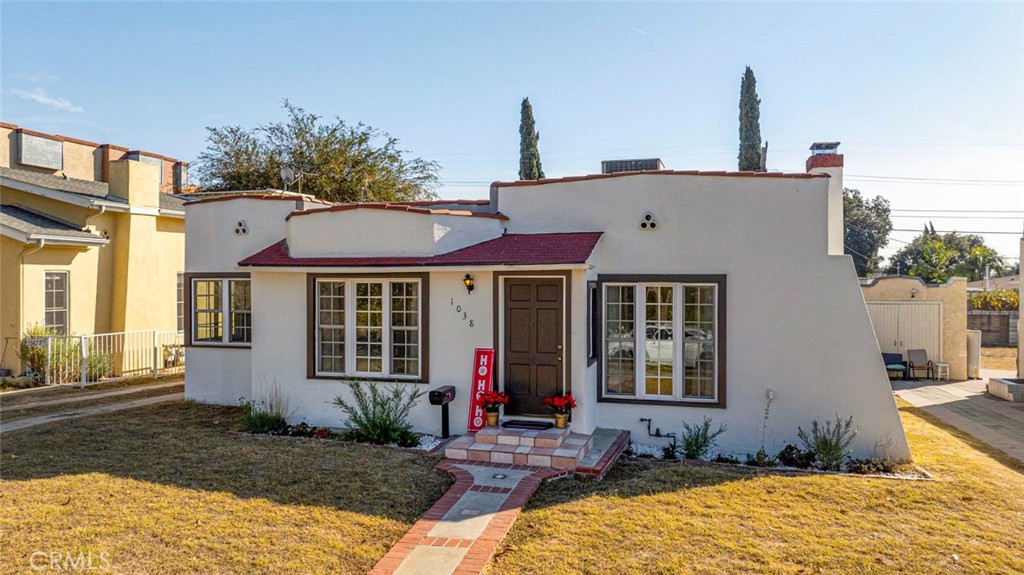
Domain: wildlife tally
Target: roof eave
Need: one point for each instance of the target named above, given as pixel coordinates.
(420, 268)
(66, 197)
(51, 239)
(54, 240)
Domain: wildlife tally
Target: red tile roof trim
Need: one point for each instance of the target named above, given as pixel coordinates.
(511, 249)
(435, 202)
(253, 196)
(657, 173)
(399, 207)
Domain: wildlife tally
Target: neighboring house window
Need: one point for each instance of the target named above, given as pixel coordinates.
(661, 341)
(55, 298)
(180, 299)
(210, 299)
(368, 327)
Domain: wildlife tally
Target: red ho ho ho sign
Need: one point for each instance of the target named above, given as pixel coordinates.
(483, 369)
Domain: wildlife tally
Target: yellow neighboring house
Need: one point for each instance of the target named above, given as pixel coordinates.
(85, 256)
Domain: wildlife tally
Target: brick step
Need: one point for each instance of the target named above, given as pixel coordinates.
(567, 455)
(551, 438)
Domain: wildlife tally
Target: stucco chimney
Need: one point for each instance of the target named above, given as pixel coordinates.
(825, 159)
(137, 182)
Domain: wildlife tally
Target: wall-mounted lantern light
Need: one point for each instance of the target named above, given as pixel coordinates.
(468, 281)
(913, 293)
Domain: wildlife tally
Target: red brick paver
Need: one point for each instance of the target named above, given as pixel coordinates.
(480, 550)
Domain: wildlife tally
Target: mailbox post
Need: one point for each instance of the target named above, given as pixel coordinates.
(442, 396)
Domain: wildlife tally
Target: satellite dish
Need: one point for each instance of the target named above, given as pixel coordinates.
(288, 175)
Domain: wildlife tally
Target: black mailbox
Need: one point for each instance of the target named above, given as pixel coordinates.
(442, 395)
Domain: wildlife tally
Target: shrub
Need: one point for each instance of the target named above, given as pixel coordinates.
(303, 429)
(380, 416)
(64, 358)
(669, 451)
(32, 354)
(723, 458)
(829, 443)
(793, 456)
(760, 459)
(260, 419)
(698, 439)
(997, 300)
(873, 466)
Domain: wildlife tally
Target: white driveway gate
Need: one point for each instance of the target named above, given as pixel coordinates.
(900, 326)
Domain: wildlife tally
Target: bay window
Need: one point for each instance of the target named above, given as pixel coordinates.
(367, 327)
(662, 339)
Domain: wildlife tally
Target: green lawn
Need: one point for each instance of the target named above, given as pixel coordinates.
(173, 489)
(664, 518)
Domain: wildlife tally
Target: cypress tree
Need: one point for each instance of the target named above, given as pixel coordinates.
(529, 155)
(750, 125)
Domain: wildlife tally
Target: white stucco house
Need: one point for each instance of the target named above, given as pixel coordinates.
(666, 295)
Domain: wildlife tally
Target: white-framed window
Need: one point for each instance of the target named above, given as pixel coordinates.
(55, 301)
(661, 341)
(180, 301)
(368, 327)
(213, 300)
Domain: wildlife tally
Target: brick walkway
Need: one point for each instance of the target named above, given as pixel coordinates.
(460, 533)
(966, 406)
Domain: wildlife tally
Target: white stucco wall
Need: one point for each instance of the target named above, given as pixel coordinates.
(211, 244)
(1020, 322)
(796, 321)
(456, 232)
(369, 231)
(217, 375)
(359, 233)
(279, 300)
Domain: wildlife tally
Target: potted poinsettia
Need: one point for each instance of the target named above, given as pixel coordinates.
(562, 405)
(492, 402)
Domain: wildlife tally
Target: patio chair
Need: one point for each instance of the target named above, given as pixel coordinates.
(917, 359)
(894, 362)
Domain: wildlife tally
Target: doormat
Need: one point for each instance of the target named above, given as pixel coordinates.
(523, 424)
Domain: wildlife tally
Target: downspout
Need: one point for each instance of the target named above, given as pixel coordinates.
(103, 209)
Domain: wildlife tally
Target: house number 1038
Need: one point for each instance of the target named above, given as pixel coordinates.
(465, 316)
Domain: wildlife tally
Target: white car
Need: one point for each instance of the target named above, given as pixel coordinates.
(659, 347)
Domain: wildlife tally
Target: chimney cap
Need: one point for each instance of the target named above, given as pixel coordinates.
(824, 147)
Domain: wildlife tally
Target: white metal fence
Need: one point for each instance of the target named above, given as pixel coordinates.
(108, 356)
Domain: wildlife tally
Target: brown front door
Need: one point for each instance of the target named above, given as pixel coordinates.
(533, 353)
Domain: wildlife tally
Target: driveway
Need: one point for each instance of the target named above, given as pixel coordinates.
(966, 406)
(33, 411)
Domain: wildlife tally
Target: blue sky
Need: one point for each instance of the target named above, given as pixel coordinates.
(928, 99)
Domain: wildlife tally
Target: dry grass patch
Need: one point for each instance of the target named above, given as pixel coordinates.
(173, 489)
(999, 358)
(664, 518)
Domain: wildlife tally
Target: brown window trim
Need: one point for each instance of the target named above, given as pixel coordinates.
(718, 279)
(188, 277)
(424, 278)
(567, 329)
